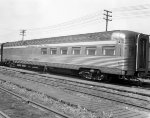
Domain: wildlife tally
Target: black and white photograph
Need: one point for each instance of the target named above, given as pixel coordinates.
(74, 59)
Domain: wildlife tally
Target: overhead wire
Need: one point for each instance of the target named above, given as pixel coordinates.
(72, 25)
(118, 13)
(132, 8)
(132, 11)
(132, 14)
(80, 20)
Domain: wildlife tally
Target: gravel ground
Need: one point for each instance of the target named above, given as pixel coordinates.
(15, 108)
(73, 111)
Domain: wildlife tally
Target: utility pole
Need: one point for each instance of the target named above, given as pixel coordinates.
(107, 17)
(22, 32)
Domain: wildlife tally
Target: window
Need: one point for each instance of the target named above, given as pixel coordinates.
(76, 50)
(53, 51)
(63, 51)
(109, 50)
(43, 51)
(91, 50)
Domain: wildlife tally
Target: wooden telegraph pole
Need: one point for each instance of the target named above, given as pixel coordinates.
(22, 32)
(106, 14)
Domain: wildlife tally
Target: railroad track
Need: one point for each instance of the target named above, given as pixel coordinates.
(31, 102)
(3, 115)
(88, 89)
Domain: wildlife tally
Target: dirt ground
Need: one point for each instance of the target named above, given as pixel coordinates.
(15, 108)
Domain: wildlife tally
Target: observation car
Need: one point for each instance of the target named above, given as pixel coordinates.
(94, 55)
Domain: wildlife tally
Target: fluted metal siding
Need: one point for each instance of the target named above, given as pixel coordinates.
(75, 61)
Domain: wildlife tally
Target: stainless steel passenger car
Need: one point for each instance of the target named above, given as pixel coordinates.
(123, 53)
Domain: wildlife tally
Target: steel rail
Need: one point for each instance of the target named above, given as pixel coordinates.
(98, 95)
(35, 103)
(88, 84)
(106, 91)
(104, 97)
(4, 115)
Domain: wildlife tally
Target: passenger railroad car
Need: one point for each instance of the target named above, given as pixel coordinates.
(119, 52)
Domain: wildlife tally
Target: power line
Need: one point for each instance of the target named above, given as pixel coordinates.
(80, 20)
(132, 8)
(70, 26)
(136, 11)
(133, 14)
(118, 13)
(95, 16)
(132, 11)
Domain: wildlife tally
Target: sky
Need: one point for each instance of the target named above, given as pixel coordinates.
(51, 18)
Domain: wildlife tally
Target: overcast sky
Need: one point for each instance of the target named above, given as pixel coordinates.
(48, 18)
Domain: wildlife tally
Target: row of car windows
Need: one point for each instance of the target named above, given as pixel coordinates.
(106, 50)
